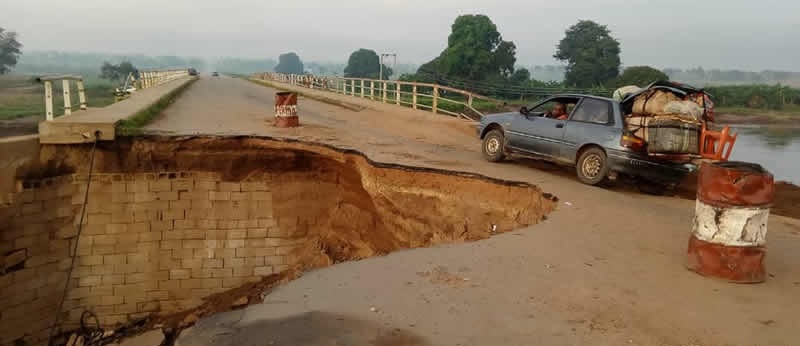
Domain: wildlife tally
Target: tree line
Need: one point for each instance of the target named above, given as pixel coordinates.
(476, 58)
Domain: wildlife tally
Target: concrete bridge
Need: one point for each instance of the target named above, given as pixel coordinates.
(605, 268)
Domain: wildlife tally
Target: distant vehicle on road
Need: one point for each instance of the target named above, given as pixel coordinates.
(215, 74)
(589, 134)
(192, 72)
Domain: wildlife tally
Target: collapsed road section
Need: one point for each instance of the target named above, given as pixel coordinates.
(170, 221)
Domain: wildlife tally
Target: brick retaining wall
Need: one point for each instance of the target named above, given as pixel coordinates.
(151, 243)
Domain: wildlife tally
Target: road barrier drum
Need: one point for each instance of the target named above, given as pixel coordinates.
(729, 234)
(286, 109)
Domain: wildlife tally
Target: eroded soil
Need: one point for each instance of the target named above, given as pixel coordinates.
(337, 204)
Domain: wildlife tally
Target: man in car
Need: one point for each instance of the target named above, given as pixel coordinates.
(559, 112)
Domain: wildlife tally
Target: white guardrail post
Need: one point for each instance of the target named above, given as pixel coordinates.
(66, 90)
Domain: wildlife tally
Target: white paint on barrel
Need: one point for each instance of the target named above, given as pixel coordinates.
(733, 226)
(286, 111)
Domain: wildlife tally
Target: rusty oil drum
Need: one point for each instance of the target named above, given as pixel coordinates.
(728, 238)
(286, 109)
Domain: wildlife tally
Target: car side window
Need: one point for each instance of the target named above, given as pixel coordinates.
(547, 108)
(593, 111)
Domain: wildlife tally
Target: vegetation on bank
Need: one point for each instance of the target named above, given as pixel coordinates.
(762, 97)
(133, 125)
(478, 60)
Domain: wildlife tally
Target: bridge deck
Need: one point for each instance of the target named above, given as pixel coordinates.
(79, 126)
(606, 268)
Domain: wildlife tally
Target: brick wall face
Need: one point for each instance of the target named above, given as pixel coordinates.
(151, 243)
(36, 222)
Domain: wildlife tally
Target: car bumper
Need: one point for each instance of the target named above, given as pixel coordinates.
(642, 166)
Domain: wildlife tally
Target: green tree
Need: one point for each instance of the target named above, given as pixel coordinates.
(520, 76)
(289, 63)
(9, 50)
(640, 75)
(109, 71)
(125, 68)
(475, 51)
(504, 58)
(365, 63)
(592, 55)
(117, 72)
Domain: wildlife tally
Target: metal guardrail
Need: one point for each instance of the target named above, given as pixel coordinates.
(433, 97)
(153, 78)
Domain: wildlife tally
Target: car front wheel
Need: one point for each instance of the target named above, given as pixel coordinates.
(592, 167)
(493, 144)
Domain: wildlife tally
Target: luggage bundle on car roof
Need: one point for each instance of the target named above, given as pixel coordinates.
(669, 117)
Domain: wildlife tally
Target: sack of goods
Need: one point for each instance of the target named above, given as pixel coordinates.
(684, 109)
(653, 102)
(670, 134)
(666, 133)
(622, 92)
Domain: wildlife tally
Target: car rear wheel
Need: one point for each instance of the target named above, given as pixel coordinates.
(493, 144)
(592, 167)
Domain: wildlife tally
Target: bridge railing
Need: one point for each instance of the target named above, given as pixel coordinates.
(65, 83)
(153, 78)
(432, 97)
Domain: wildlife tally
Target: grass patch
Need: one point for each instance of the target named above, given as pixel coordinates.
(133, 125)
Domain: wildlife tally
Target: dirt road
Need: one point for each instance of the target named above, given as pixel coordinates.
(606, 268)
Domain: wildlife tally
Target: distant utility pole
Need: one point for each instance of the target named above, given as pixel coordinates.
(394, 64)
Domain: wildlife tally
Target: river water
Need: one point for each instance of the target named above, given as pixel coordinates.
(775, 148)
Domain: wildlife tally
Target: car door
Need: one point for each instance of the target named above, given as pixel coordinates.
(537, 134)
(591, 122)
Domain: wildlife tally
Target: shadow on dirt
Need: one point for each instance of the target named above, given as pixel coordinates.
(306, 329)
(622, 184)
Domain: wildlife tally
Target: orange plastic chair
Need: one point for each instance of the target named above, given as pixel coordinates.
(716, 145)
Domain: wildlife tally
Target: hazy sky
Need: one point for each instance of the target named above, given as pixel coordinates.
(742, 34)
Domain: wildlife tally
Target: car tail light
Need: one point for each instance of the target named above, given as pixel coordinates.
(633, 142)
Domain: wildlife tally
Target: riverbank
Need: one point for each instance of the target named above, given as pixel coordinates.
(759, 117)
